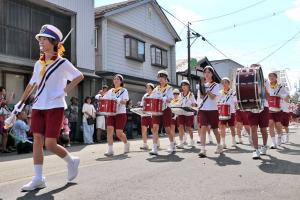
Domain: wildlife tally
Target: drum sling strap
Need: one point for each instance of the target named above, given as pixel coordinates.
(206, 96)
(120, 94)
(278, 90)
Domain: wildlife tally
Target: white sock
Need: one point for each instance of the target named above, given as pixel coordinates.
(202, 148)
(274, 141)
(38, 171)
(181, 141)
(145, 144)
(154, 147)
(223, 140)
(210, 138)
(68, 158)
(110, 148)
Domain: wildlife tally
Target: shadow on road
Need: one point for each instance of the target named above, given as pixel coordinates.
(223, 160)
(237, 150)
(165, 158)
(46, 196)
(117, 157)
(190, 150)
(278, 166)
(14, 156)
(288, 151)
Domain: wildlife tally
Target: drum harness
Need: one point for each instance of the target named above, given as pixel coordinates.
(206, 96)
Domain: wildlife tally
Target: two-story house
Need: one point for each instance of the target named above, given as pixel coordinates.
(20, 21)
(136, 39)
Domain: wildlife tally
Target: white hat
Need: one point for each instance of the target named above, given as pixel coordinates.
(50, 31)
(119, 76)
(208, 66)
(162, 72)
(150, 84)
(226, 78)
(185, 81)
(176, 91)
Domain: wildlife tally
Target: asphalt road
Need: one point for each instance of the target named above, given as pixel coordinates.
(138, 176)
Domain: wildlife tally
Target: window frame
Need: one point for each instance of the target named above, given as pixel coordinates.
(131, 57)
(162, 50)
(96, 37)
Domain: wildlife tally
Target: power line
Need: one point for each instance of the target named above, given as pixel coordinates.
(202, 37)
(250, 21)
(230, 13)
(281, 46)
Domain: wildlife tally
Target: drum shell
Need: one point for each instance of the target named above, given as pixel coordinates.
(107, 107)
(250, 88)
(274, 103)
(224, 111)
(153, 106)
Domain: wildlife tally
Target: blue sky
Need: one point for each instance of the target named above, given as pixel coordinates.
(245, 44)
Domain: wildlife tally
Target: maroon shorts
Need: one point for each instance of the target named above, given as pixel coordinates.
(166, 118)
(208, 117)
(186, 121)
(174, 121)
(146, 121)
(275, 116)
(118, 121)
(230, 122)
(259, 119)
(285, 119)
(242, 117)
(47, 122)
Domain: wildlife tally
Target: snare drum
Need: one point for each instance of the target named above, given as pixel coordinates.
(153, 106)
(250, 89)
(224, 111)
(107, 107)
(274, 103)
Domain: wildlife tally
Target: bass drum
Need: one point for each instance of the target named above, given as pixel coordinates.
(250, 88)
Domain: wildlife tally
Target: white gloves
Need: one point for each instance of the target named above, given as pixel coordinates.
(197, 86)
(18, 107)
(164, 99)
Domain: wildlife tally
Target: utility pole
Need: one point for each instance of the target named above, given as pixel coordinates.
(189, 53)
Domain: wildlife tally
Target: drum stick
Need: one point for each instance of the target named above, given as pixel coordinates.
(62, 42)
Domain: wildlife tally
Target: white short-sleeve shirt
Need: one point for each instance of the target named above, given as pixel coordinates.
(229, 98)
(145, 96)
(211, 104)
(121, 94)
(166, 95)
(50, 93)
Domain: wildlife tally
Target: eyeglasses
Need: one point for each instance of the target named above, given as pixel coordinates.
(175, 93)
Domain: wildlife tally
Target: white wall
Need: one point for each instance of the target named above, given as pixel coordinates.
(115, 54)
(85, 23)
(145, 19)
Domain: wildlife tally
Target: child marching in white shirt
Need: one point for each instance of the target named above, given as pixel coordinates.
(50, 77)
(117, 122)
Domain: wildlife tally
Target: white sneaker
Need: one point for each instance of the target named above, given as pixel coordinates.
(241, 141)
(219, 149)
(192, 143)
(144, 147)
(256, 154)
(224, 146)
(126, 147)
(278, 141)
(233, 143)
(73, 168)
(180, 146)
(202, 153)
(35, 183)
(263, 150)
(153, 152)
(109, 153)
(171, 148)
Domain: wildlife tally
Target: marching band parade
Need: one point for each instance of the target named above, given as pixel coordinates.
(220, 108)
(254, 104)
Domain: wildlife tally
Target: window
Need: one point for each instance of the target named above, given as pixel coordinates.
(134, 49)
(96, 37)
(159, 57)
